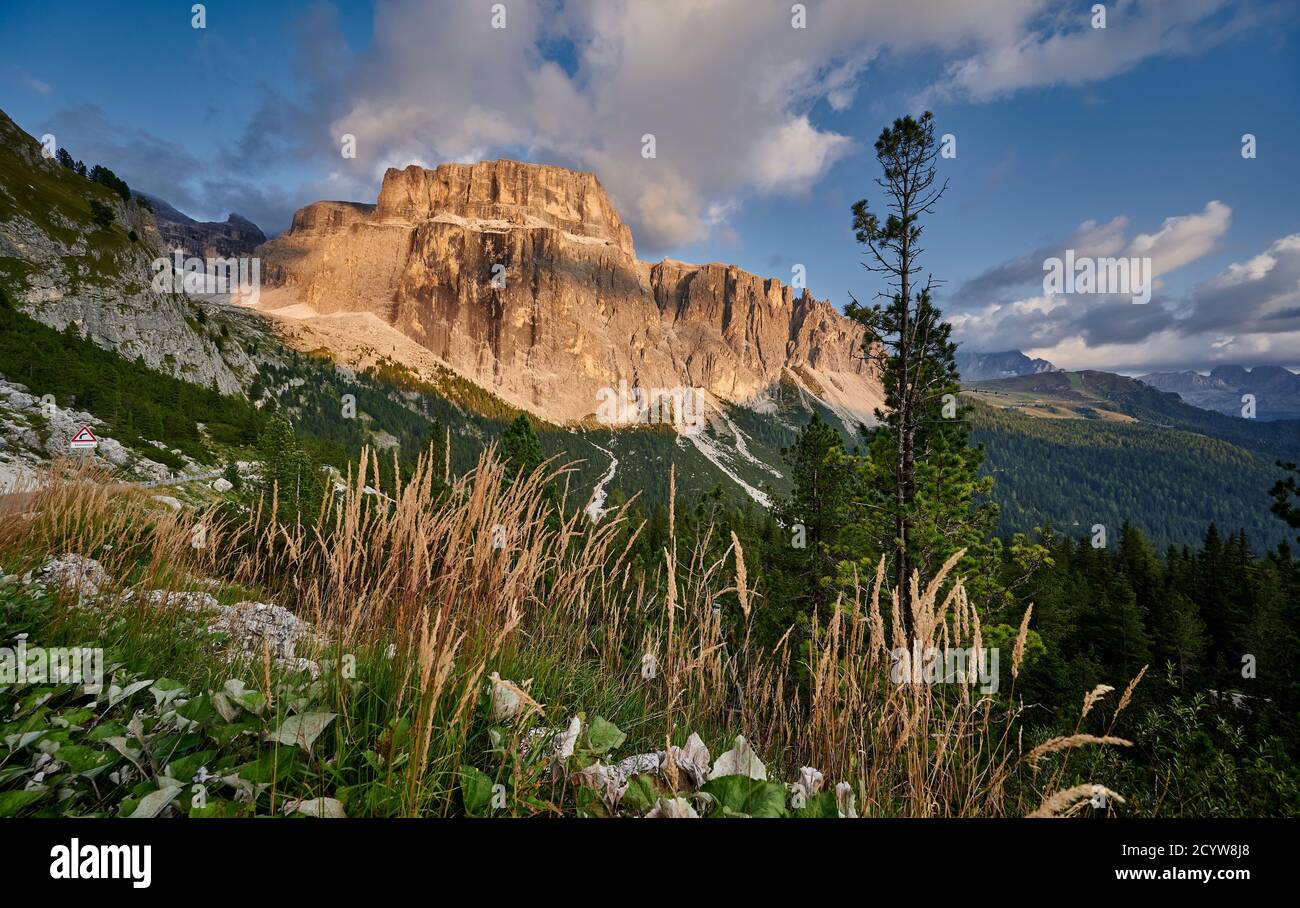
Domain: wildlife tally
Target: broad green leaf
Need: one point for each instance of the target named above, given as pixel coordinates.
(642, 793)
(197, 709)
(76, 718)
(820, 805)
(165, 690)
(475, 790)
(172, 747)
(154, 803)
(13, 801)
(117, 694)
(225, 734)
(86, 760)
(272, 765)
(105, 730)
(588, 803)
(303, 730)
(185, 768)
(121, 746)
(218, 807)
(251, 700)
(603, 736)
(226, 707)
(741, 796)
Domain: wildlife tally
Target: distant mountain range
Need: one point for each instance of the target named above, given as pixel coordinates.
(235, 236)
(1276, 390)
(975, 366)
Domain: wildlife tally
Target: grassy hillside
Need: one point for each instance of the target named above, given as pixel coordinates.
(1106, 396)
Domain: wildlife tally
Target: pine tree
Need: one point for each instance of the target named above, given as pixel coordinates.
(816, 515)
(919, 462)
(521, 447)
(288, 470)
(1286, 497)
(1179, 634)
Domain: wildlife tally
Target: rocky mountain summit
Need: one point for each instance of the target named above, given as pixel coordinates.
(235, 236)
(1276, 390)
(974, 366)
(523, 278)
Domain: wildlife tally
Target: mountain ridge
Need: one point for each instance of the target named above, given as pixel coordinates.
(523, 278)
(974, 365)
(1276, 389)
(235, 236)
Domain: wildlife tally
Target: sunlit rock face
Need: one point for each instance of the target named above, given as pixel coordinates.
(522, 278)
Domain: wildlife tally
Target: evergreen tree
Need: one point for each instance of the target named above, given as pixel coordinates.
(814, 518)
(922, 471)
(231, 475)
(520, 446)
(287, 470)
(1286, 497)
(1179, 635)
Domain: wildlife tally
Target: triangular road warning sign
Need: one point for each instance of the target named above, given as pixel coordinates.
(84, 439)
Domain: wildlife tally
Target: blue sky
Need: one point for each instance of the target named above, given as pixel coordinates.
(1105, 141)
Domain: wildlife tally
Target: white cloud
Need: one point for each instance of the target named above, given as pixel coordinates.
(726, 87)
(729, 89)
(1183, 239)
(794, 155)
(1249, 313)
(1065, 48)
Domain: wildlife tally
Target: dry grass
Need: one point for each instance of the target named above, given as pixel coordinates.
(460, 577)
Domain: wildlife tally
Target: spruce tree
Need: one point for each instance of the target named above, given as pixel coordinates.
(288, 470)
(520, 446)
(815, 516)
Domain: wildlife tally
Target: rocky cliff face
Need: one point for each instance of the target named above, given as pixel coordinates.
(63, 268)
(986, 366)
(523, 278)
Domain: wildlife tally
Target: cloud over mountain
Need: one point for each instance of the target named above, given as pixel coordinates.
(1249, 312)
(580, 82)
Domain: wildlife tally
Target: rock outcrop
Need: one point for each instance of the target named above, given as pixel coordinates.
(64, 268)
(235, 236)
(33, 432)
(522, 278)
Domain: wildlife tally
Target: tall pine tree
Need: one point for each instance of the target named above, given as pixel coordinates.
(927, 492)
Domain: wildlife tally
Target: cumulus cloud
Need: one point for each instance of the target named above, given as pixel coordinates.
(1183, 239)
(1061, 46)
(732, 93)
(727, 88)
(1259, 295)
(1249, 313)
(1179, 241)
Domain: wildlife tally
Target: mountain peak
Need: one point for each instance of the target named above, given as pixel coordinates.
(523, 278)
(975, 366)
(511, 193)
